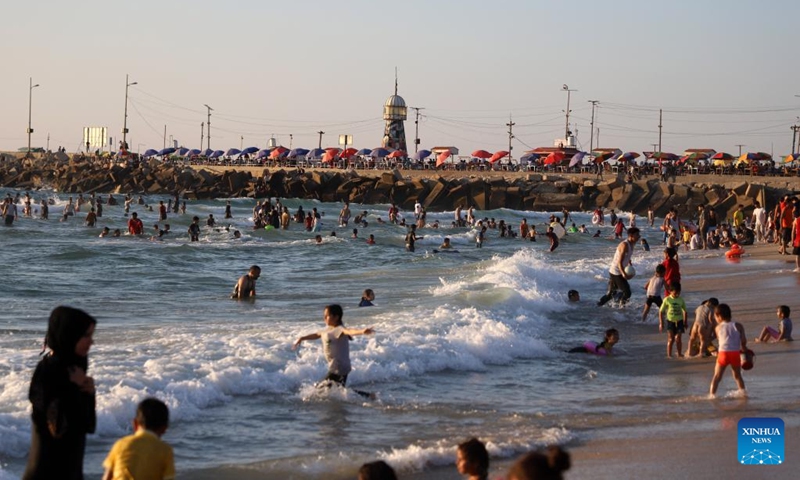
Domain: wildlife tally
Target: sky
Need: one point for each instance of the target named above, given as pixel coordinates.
(725, 73)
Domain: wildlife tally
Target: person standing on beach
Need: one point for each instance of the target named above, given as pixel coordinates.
(732, 341)
(62, 398)
(617, 277)
(796, 243)
(759, 222)
(676, 314)
(9, 212)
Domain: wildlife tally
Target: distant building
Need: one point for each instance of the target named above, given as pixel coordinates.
(395, 114)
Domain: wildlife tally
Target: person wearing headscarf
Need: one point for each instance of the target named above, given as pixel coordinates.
(63, 398)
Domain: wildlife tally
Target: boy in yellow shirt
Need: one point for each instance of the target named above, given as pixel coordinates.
(674, 308)
(143, 455)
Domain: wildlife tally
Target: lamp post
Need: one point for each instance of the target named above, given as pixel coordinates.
(566, 88)
(31, 86)
(208, 126)
(125, 118)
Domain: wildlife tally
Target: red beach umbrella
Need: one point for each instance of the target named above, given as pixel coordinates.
(602, 157)
(442, 157)
(498, 155)
(277, 151)
(397, 154)
(554, 158)
(330, 155)
(348, 153)
(482, 154)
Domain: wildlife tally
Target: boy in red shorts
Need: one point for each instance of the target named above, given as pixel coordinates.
(732, 341)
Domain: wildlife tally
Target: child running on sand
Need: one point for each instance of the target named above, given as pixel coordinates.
(336, 346)
(732, 341)
(784, 331)
(675, 309)
(654, 286)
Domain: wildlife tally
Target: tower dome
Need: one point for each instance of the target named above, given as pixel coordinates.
(395, 108)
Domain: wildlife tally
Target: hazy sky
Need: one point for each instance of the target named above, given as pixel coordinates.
(725, 72)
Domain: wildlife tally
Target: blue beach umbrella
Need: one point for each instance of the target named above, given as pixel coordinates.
(298, 152)
(262, 154)
(249, 150)
(183, 151)
(233, 151)
(207, 152)
(364, 151)
(316, 153)
(150, 152)
(217, 154)
(529, 157)
(166, 151)
(576, 159)
(379, 153)
(422, 155)
(193, 152)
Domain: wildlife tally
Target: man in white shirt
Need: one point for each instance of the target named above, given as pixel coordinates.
(760, 222)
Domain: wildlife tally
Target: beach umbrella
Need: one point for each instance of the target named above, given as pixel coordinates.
(193, 152)
(232, 151)
(207, 152)
(497, 156)
(791, 158)
(348, 152)
(364, 151)
(315, 154)
(217, 154)
(660, 156)
(422, 155)
(442, 157)
(183, 151)
(166, 151)
(249, 150)
(576, 159)
(150, 152)
(262, 154)
(379, 152)
(722, 156)
(693, 157)
(529, 157)
(397, 154)
(601, 157)
(277, 152)
(482, 154)
(330, 155)
(554, 158)
(628, 156)
(298, 152)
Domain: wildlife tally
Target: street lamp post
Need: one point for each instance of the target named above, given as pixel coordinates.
(566, 129)
(31, 86)
(125, 118)
(208, 126)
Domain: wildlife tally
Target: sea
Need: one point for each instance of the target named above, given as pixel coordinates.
(468, 343)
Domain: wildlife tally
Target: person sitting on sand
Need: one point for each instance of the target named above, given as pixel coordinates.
(603, 348)
(784, 331)
(472, 459)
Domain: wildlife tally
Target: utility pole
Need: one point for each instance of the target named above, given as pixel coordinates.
(794, 129)
(241, 142)
(591, 134)
(208, 123)
(291, 137)
(125, 118)
(510, 126)
(416, 128)
(31, 86)
(165, 136)
(659, 129)
(48, 142)
(202, 130)
(740, 148)
(566, 88)
(321, 133)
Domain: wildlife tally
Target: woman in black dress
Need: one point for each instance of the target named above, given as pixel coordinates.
(63, 398)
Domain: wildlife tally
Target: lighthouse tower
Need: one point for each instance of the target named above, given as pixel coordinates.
(395, 113)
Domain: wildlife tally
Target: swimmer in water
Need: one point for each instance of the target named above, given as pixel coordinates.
(603, 348)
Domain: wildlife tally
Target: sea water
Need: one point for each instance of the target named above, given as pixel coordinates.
(467, 343)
